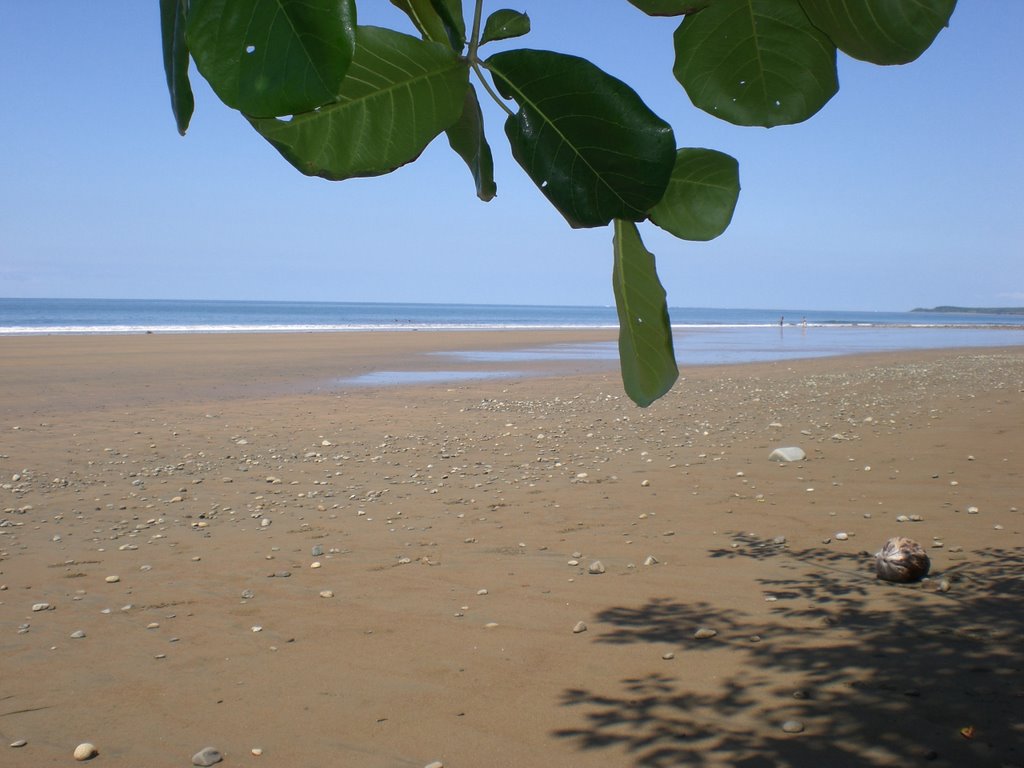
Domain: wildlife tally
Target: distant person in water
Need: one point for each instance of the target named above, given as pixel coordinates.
(781, 319)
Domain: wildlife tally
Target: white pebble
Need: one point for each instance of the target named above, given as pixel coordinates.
(85, 751)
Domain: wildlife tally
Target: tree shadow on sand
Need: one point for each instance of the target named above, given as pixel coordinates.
(877, 673)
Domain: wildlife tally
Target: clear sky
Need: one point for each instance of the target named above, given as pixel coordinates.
(906, 190)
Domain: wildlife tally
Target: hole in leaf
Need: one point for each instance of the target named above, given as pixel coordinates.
(250, 49)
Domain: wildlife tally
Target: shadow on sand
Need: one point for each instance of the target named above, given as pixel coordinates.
(877, 673)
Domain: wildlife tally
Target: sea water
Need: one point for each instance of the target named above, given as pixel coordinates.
(701, 335)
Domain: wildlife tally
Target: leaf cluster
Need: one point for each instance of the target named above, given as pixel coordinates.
(340, 100)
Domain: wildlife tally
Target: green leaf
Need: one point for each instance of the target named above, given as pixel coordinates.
(596, 151)
(646, 355)
(505, 24)
(881, 31)
(401, 92)
(450, 12)
(272, 57)
(755, 62)
(467, 138)
(670, 7)
(701, 195)
(172, 31)
(437, 20)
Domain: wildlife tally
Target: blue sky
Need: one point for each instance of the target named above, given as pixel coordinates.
(904, 191)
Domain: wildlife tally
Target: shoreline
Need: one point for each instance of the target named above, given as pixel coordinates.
(142, 368)
(396, 575)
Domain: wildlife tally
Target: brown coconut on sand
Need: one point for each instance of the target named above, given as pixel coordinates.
(391, 576)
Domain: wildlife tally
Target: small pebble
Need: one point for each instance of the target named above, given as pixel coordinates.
(580, 627)
(596, 567)
(78, 634)
(112, 579)
(326, 593)
(435, 764)
(650, 560)
(668, 656)
(481, 592)
(841, 536)
(793, 726)
(19, 743)
(704, 633)
(207, 756)
(256, 751)
(40, 607)
(85, 751)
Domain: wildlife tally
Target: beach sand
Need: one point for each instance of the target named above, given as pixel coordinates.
(165, 496)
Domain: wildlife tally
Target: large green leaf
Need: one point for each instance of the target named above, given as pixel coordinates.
(400, 93)
(701, 195)
(646, 355)
(881, 31)
(272, 57)
(176, 56)
(596, 151)
(467, 138)
(437, 20)
(755, 62)
(670, 7)
(504, 24)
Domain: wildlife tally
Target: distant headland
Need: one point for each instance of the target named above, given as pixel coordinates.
(974, 310)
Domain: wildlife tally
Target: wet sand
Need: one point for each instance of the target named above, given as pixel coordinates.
(455, 525)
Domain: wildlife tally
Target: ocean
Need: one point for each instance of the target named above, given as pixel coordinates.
(702, 335)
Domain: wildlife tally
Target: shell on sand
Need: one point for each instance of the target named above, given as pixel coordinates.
(902, 560)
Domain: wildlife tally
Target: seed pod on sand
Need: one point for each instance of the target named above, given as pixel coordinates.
(902, 560)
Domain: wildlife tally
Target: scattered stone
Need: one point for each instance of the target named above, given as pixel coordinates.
(481, 592)
(793, 726)
(580, 627)
(326, 593)
(207, 756)
(78, 634)
(256, 751)
(248, 594)
(435, 764)
(41, 607)
(316, 551)
(651, 560)
(19, 743)
(112, 579)
(943, 586)
(668, 656)
(972, 510)
(901, 560)
(704, 633)
(842, 536)
(85, 751)
(779, 540)
(490, 625)
(787, 453)
(596, 567)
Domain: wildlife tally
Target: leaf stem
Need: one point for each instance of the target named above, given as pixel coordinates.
(474, 60)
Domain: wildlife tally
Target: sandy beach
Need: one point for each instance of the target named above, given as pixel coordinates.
(220, 541)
